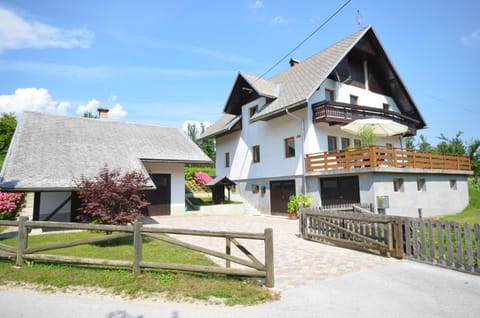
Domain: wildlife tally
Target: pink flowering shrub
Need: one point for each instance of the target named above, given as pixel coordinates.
(202, 178)
(10, 204)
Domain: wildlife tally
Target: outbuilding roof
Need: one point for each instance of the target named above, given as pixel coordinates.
(50, 151)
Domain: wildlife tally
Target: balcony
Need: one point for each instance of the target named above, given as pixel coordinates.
(375, 156)
(336, 113)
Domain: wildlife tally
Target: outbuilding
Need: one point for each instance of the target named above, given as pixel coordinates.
(49, 152)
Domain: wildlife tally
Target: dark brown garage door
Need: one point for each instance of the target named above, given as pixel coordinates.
(159, 198)
(337, 191)
(280, 191)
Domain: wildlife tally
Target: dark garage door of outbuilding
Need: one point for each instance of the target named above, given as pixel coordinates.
(342, 190)
(159, 198)
(280, 191)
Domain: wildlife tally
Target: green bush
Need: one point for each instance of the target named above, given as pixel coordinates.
(295, 202)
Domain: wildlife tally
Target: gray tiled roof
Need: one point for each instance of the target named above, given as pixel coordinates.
(48, 151)
(222, 125)
(299, 82)
(293, 86)
(262, 86)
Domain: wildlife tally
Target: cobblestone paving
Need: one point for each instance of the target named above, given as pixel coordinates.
(297, 261)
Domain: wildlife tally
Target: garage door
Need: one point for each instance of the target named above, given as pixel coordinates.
(159, 198)
(338, 191)
(280, 191)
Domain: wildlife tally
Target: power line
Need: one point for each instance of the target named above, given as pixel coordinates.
(307, 38)
(447, 103)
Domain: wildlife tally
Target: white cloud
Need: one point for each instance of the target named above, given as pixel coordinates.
(34, 99)
(278, 20)
(117, 112)
(471, 38)
(17, 33)
(256, 5)
(198, 124)
(90, 107)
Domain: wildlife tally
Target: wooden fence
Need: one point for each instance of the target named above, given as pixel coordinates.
(255, 267)
(442, 243)
(435, 242)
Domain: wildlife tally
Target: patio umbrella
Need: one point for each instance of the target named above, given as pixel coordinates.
(381, 127)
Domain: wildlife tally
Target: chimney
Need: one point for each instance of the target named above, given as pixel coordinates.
(103, 113)
(293, 62)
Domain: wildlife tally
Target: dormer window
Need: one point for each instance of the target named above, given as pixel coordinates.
(252, 111)
(329, 95)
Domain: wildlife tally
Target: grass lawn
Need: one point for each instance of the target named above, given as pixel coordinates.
(151, 283)
(471, 214)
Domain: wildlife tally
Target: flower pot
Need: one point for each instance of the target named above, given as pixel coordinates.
(293, 216)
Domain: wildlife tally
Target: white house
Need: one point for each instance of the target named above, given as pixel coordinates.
(48, 152)
(282, 136)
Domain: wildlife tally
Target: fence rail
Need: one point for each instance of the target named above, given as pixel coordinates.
(255, 268)
(435, 242)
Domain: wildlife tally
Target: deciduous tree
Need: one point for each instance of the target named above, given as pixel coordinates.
(8, 123)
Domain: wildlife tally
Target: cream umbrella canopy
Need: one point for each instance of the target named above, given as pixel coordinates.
(380, 127)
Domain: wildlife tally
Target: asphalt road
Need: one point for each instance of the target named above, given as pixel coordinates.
(399, 289)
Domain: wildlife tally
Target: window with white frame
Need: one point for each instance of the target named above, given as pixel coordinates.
(453, 184)
(421, 185)
(398, 185)
(289, 147)
(256, 154)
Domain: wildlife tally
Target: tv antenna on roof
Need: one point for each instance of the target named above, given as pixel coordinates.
(359, 19)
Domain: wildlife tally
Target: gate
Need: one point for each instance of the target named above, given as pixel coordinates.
(370, 232)
(435, 242)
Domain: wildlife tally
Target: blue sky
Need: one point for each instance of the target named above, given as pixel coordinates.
(166, 62)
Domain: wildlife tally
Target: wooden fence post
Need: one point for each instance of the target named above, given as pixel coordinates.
(398, 227)
(477, 244)
(270, 278)
(390, 239)
(228, 251)
(137, 247)
(22, 240)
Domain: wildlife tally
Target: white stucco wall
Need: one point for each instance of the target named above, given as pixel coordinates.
(270, 136)
(343, 92)
(177, 193)
(438, 199)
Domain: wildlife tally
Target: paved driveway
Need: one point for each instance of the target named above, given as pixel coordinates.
(297, 262)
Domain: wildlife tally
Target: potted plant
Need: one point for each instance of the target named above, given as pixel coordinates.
(295, 202)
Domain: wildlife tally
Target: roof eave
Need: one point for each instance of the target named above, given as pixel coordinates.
(280, 112)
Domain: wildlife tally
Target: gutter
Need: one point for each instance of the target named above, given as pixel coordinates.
(302, 128)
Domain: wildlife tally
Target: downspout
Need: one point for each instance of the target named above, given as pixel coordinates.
(302, 121)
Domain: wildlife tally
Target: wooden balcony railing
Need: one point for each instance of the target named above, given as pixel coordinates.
(342, 113)
(375, 156)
